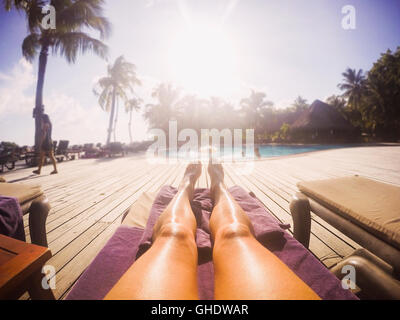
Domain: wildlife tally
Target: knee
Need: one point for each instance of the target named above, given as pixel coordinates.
(176, 231)
(233, 231)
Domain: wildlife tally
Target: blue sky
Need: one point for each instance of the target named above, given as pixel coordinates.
(284, 47)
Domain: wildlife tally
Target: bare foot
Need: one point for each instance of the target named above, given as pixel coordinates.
(36, 172)
(216, 172)
(54, 172)
(192, 173)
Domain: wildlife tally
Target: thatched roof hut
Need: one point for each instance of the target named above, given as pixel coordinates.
(322, 122)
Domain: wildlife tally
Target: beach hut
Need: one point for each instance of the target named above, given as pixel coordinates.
(322, 123)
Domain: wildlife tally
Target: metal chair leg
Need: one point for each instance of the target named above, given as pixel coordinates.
(38, 212)
(300, 210)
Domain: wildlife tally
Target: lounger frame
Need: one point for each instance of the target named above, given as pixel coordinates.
(38, 210)
(301, 207)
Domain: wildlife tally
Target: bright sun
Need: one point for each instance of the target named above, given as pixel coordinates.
(203, 60)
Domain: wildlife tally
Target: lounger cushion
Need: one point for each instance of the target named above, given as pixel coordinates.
(23, 193)
(372, 205)
(139, 212)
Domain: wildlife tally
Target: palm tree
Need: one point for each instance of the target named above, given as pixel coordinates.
(353, 86)
(253, 107)
(130, 105)
(337, 102)
(166, 108)
(121, 76)
(116, 119)
(74, 19)
(300, 104)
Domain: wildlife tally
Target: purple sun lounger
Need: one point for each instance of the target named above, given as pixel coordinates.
(129, 243)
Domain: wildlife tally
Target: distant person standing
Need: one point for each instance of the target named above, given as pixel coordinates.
(46, 145)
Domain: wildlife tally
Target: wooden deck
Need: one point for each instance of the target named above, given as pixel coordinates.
(89, 197)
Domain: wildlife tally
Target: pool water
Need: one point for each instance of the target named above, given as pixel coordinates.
(269, 151)
(266, 151)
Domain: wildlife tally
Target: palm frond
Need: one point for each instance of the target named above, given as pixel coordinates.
(33, 10)
(105, 82)
(133, 104)
(31, 46)
(105, 99)
(74, 16)
(14, 4)
(71, 43)
(120, 92)
(345, 87)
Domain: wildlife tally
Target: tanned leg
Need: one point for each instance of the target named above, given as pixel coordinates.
(244, 269)
(168, 270)
(41, 160)
(53, 160)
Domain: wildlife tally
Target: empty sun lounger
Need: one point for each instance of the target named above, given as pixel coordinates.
(115, 148)
(61, 153)
(33, 202)
(133, 238)
(366, 211)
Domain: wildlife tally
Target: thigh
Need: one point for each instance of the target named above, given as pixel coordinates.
(167, 271)
(244, 269)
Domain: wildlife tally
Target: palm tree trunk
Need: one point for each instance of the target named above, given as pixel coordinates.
(130, 126)
(39, 108)
(110, 125)
(116, 120)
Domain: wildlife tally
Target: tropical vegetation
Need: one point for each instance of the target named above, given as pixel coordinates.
(119, 83)
(370, 101)
(133, 104)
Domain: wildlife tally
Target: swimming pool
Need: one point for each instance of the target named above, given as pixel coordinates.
(266, 151)
(270, 151)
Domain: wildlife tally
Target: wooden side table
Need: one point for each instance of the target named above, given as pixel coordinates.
(21, 266)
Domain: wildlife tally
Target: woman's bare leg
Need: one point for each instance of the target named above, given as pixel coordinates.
(41, 161)
(244, 269)
(168, 270)
(53, 160)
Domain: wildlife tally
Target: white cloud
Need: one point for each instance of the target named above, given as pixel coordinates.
(71, 120)
(13, 88)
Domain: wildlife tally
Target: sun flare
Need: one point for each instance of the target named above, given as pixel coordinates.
(203, 60)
